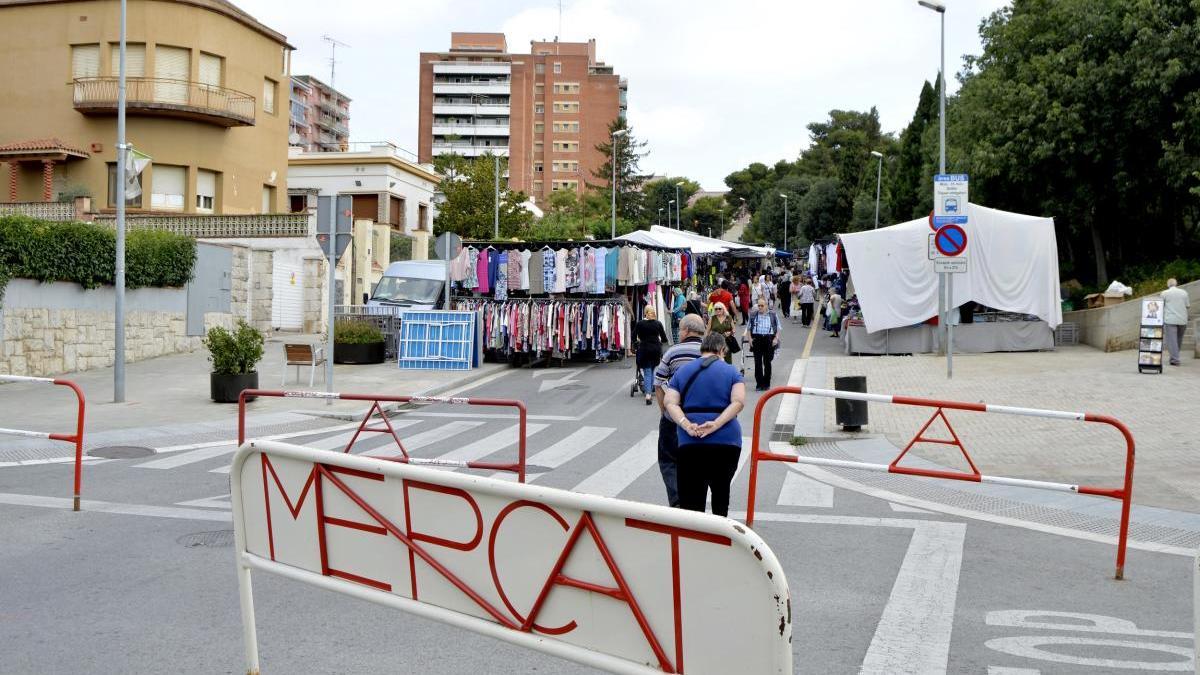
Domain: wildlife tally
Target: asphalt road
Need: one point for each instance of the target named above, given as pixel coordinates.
(145, 581)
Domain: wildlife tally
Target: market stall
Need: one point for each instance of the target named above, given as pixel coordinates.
(1012, 270)
(714, 257)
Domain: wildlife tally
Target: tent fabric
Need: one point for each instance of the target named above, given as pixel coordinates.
(668, 237)
(1012, 266)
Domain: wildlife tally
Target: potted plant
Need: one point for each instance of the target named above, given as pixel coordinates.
(357, 342)
(234, 355)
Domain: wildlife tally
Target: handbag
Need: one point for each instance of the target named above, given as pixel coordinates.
(732, 344)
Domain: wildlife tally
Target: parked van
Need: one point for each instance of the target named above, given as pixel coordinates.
(415, 284)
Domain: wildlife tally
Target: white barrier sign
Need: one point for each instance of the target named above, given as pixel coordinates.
(623, 586)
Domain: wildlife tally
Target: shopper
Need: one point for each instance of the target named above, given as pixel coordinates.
(808, 296)
(703, 399)
(834, 309)
(691, 332)
(1175, 317)
(783, 289)
(678, 302)
(763, 332)
(743, 293)
(722, 324)
(648, 338)
(723, 296)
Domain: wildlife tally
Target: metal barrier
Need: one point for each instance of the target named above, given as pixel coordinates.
(75, 438)
(517, 467)
(1124, 494)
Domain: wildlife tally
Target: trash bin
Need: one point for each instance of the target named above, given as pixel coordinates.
(850, 415)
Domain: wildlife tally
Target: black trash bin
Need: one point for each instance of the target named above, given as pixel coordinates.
(850, 415)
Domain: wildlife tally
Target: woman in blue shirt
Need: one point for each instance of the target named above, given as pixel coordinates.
(703, 399)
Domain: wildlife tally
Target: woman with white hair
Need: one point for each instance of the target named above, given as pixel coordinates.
(648, 339)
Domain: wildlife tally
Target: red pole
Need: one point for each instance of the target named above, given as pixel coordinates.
(754, 451)
(77, 438)
(521, 443)
(1126, 492)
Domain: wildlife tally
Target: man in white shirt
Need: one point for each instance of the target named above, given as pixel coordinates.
(1175, 317)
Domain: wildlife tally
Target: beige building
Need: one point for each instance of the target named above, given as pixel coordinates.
(207, 99)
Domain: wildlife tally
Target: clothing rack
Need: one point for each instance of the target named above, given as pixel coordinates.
(543, 328)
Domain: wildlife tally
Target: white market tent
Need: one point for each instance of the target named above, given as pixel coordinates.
(668, 237)
(1012, 265)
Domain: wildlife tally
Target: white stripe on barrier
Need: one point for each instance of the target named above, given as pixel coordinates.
(22, 432)
(1022, 482)
(24, 378)
(884, 468)
(851, 395)
(1034, 412)
(311, 394)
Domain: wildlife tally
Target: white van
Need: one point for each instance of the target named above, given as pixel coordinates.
(415, 284)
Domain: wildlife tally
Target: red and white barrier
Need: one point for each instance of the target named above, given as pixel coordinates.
(622, 586)
(517, 467)
(75, 438)
(1124, 493)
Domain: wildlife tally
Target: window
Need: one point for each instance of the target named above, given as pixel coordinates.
(540, 127)
(85, 61)
(268, 199)
(297, 203)
(538, 167)
(210, 69)
(566, 87)
(167, 185)
(538, 186)
(557, 68)
(172, 68)
(269, 86)
(538, 148)
(396, 212)
(557, 185)
(206, 191)
(566, 146)
(135, 59)
(136, 202)
(566, 107)
(566, 166)
(539, 68)
(567, 127)
(539, 108)
(539, 90)
(423, 217)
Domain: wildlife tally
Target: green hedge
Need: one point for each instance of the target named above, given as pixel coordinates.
(85, 253)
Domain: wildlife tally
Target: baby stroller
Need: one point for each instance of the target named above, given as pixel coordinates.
(638, 381)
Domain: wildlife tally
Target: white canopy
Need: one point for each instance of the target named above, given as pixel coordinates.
(698, 243)
(1012, 265)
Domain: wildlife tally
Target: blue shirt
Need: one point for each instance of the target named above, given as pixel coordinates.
(707, 397)
(763, 323)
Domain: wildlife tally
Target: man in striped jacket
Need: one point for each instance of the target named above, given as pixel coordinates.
(691, 332)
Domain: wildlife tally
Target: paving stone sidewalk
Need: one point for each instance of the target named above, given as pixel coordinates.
(1162, 411)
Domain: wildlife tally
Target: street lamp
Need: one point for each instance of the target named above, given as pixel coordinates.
(615, 157)
(785, 219)
(878, 178)
(669, 213)
(677, 204)
(658, 220)
(943, 302)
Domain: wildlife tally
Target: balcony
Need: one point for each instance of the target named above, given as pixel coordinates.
(486, 88)
(472, 67)
(468, 150)
(498, 109)
(333, 127)
(332, 108)
(166, 98)
(470, 129)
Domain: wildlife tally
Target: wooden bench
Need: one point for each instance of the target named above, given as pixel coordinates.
(302, 354)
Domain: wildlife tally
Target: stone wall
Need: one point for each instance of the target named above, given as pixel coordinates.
(315, 294)
(262, 282)
(1116, 327)
(239, 288)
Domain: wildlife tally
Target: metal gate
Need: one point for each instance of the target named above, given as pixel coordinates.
(287, 300)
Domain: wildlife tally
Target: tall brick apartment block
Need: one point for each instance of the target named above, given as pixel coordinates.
(546, 110)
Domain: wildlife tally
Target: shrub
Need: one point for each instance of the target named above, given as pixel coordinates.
(236, 352)
(350, 332)
(85, 253)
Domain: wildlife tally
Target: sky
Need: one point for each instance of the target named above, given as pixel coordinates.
(713, 84)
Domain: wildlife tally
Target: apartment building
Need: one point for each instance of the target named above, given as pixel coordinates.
(546, 110)
(320, 116)
(206, 85)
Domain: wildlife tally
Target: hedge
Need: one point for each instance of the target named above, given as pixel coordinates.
(85, 253)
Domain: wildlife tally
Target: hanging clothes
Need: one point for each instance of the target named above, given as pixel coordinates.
(535, 273)
(501, 291)
(482, 266)
(560, 271)
(831, 258)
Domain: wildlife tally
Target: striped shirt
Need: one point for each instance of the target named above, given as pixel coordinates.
(675, 358)
(762, 323)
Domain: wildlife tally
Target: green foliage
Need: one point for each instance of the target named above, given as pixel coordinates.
(402, 247)
(1151, 278)
(236, 352)
(351, 332)
(629, 154)
(658, 194)
(69, 193)
(470, 199)
(85, 253)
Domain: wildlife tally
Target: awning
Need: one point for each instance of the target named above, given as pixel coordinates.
(698, 243)
(40, 149)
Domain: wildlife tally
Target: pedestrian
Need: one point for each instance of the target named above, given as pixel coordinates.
(703, 399)
(743, 293)
(835, 313)
(678, 303)
(794, 294)
(691, 332)
(722, 295)
(808, 296)
(763, 332)
(648, 339)
(783, 290)
(1175, 317)
(721, 324)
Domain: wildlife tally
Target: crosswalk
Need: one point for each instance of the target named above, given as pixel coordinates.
(580, 458)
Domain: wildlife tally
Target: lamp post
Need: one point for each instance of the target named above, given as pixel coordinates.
(677, 203)
(496, 198)
(785, 219)
(119, 271)
(878, 178)
(669, 213)
(615, 157)
(658, 220)
(943, 301)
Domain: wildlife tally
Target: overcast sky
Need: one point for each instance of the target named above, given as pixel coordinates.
(713, 84)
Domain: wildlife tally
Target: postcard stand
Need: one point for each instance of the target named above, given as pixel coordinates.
(1150, 337)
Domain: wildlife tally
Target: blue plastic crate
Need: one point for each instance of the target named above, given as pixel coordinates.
(436, 340)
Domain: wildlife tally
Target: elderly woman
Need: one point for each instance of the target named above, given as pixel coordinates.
(704, 398)
(649, 336)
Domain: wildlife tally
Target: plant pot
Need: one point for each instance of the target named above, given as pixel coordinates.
(370, 352)
(227, 388)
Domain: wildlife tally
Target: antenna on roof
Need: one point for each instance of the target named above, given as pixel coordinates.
(559, 21)
(333, 45)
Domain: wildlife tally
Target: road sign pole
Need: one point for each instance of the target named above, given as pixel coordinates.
(329, 278)
(949, 326)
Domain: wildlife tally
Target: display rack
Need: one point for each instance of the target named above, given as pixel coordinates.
(1150, 337)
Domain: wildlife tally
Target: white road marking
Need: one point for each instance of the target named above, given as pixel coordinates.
(418, 441)
(1001, 670)
(54, 460)
(494, 416)
(799, 490)
(622, 471)
(1076, 622)
(488, 444)
(276, 437)
(901, 508)
(1031, 647)
(474, 383)
(66, 504)
(217, 502)
(913, 634)
(789, 404)
(338, 441)
(561, 452)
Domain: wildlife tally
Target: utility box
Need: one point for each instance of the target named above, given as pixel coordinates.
(850, 415)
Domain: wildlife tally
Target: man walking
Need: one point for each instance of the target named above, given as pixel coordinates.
(1175, 317)
(783, 291)
(808, 296)
(691, 332)
(763, 329)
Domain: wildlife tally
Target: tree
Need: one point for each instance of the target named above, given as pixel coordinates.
(629, 153)
(658, 194)
(708, 216)
(470, 199)
(909, 182)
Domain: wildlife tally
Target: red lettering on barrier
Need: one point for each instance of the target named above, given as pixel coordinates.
(675, 533)
(323, 520)
(522, 503)
(294, 509)
(449, 543)
(620, 592)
